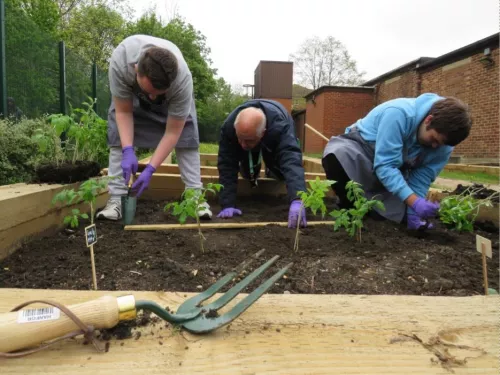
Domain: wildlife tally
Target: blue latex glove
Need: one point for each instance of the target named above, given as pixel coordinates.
(142, 182)
(129, 163)
(424, 209)
(229, 212)
(293, 215)
(414, 222)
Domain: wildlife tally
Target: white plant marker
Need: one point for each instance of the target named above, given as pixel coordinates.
(483, 245)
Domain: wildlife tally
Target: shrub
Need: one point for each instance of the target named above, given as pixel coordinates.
(19, 152)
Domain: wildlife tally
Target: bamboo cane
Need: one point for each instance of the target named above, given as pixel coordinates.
(315, 131)
(146, 227)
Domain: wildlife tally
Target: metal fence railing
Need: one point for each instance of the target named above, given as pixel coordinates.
(36, 72)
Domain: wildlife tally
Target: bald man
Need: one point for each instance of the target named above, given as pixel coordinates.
(260, 129)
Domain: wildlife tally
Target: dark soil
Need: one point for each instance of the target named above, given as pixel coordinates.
(480, 191)
(67, 172)
(389, 260)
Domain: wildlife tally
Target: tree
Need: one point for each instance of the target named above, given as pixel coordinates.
(213, 111)
(95, 43)
(325, 62)
(44, 13)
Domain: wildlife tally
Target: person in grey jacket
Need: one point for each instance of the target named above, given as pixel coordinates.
(152, 107)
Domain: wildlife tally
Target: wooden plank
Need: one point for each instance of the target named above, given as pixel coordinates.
(312, 165)
(25, 202)
(146, 227)
(286, 334)
(471, 168)
(211, 171)
(146, 160)
(14, 237)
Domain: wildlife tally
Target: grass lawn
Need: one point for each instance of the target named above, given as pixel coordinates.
(479, 177)
(209, 148)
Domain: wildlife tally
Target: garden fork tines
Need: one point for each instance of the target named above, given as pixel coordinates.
(208, 318)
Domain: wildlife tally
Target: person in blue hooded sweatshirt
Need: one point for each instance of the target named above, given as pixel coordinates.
(396, 151)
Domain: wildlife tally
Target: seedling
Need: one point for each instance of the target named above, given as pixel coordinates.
(189, 206)
(352, 219)
(460, 211)
(87, 193)
(314, 200)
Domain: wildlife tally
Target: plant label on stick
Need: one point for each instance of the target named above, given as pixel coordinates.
(91, 235)
(485, 243)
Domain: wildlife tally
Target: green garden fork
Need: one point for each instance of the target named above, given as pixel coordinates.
(24, 329)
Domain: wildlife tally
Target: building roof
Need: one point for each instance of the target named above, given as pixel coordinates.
(428, 62)
(323, 89)
(414, 64)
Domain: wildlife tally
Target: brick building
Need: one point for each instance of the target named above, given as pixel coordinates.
(470, 73)
(274, 80)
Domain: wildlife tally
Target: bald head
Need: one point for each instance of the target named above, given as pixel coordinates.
(250, 124)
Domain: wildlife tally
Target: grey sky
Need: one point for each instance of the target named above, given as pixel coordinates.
(379, 34)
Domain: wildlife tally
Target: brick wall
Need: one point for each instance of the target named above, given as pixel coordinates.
(343, 109)
(315, 118)
(401, 86)
(333, 112)
(477, 85)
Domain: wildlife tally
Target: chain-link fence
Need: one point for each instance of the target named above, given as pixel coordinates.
(32, 66)
(33, 71)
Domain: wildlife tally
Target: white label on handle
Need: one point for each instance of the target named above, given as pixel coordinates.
(38, 315)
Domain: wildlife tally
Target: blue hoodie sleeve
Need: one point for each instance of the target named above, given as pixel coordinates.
(389, 152)
(421, 178)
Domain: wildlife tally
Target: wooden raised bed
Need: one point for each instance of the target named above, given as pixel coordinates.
(470, 168)
(289, 334)
(26, 213)
(281, 333)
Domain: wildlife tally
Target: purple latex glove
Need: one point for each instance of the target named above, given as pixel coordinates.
(129, 163)
(414, 222)
(293, 215)
(228, 212)
(142, 182)
(425, 208)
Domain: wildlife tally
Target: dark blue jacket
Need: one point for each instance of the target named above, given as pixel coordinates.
(279, 149)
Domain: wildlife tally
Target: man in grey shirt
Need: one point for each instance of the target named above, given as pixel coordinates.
(153, 107)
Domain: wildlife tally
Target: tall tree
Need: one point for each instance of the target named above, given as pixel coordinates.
(213, 112)
(320, 62)
(93, 31)
(44, 13)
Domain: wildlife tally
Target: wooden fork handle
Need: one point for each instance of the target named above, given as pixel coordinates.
(31, 326)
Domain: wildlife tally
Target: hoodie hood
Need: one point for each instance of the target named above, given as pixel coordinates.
(423, 104)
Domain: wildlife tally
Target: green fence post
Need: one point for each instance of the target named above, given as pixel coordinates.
(94, 85)
(62, 77)
(3, 70)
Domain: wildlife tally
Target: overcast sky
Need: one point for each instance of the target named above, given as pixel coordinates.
(379, 34)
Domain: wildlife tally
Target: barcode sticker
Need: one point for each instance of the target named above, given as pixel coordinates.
(38, 315)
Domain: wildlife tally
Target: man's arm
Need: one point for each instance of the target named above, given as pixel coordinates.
(125, 120)
(227, 165)
(421, 178)
(290, 160)
(168, 141)
(389, 153)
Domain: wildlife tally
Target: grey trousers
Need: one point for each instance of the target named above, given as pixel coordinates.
(187, 158)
